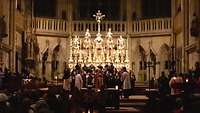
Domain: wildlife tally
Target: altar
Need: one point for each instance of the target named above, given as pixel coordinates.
(101, 49)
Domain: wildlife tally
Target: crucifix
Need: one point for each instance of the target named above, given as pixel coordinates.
(99, 17)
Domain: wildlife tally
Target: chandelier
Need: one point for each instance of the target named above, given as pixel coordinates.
(96, 50)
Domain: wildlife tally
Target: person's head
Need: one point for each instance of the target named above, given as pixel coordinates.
(162, 73)
(3, 98)
(124, 68)
(197, 65)
(180, 74)
(172, 74)
(78, 71)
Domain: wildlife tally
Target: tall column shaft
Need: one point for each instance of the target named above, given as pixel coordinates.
(70, 25)
(198, 15)
(186, 34)
(129, 15)
(138, 8)
(70, 15)
(12, 35)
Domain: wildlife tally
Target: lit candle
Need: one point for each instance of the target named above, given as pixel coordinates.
(187, 80)
(116, 87)
(56, 77)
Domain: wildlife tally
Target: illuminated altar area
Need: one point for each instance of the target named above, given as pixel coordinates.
(101, 50)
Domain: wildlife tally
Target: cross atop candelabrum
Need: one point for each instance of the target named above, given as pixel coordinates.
(99, 17)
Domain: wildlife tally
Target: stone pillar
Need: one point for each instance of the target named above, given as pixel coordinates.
(128, 46)
(12, 30)
(173, 35)
(129, 22)
(173, 9)
(1, 7)
(186, 34)
(70, 14)
(129, 15)
(138, 8)
(61, 6)
(70, 24)
(157, 70)
(198, 15)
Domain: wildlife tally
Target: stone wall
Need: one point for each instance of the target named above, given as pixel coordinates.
(63, 54)
(4, 11)
(193, 54)
(158, 44)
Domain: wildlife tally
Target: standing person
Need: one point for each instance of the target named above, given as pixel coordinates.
(126, 79)
(175, 84)
(163, 83)
(197, 70)
(84, 78)
(1, 78)
(78, 80)
(133, 79)
(66, 78)
(4, 108)
(90, 80)
(98, 79)
(172, 83)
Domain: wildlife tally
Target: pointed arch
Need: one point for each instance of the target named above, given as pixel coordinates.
(164, 48)
(55, 60)
(142, 53)
(152, 56)
(142, 63)
(139, 56)
(164, 57)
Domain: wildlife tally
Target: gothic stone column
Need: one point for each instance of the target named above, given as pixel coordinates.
(186, 34)
(70, 24)
(129, 15)
(12, 35)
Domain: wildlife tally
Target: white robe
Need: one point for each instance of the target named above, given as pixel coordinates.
(78, 81)
(174, 81)
(67, 83)
(126, 80)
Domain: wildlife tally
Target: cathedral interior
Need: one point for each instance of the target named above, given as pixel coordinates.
(160, 32)
(148, 37)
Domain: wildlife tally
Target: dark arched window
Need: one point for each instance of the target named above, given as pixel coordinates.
(156, 8)
(45, 8)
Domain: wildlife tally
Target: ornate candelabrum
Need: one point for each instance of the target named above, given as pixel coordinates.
(99, 50)
(80, 60)
(126, 59)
